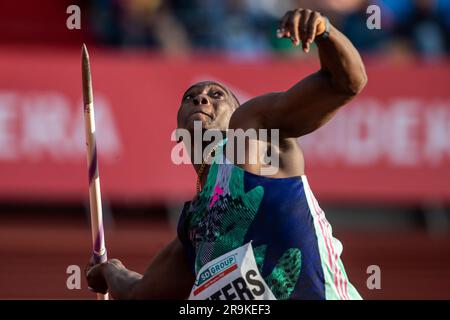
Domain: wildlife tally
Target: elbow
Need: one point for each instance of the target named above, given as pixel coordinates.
(355, 84)
(351, 82)
(359, 84)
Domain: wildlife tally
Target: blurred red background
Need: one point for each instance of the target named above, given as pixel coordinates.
(380, 169)
(389, 144)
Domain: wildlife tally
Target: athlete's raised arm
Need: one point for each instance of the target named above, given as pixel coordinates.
(314, 100)
(169, 276)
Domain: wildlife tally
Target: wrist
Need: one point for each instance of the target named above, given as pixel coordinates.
(324, 33)
(107, 267)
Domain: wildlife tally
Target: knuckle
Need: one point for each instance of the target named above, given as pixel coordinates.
(289, 14)
(284, 18)
(114, 261)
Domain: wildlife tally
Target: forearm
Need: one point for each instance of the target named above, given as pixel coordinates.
(121, 281)
(342, 62)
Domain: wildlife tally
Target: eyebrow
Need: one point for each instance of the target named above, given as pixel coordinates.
(207, 85)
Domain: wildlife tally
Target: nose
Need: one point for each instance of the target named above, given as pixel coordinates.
(200, 99)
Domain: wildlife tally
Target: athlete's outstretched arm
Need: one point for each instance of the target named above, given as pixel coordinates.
(169, 276)
(314, 100)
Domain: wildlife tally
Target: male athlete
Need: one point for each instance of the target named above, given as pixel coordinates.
(246, 235)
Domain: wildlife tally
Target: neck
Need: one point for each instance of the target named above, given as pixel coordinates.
(202, 168)
(199, 148)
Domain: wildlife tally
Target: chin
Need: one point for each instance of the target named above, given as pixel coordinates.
(205, 125)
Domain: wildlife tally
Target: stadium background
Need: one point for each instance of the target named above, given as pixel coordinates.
(380, 170)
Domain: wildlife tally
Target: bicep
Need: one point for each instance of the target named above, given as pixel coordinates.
(308, 105)
(169, 275)
(303, 108)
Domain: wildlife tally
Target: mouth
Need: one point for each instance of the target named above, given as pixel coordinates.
(200, 112)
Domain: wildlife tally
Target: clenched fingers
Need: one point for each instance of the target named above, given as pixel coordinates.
(94, 276)
(301, 26)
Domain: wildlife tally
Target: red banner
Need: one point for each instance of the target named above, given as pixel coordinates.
(392, 143)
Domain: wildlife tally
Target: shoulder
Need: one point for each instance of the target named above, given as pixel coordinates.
(254, 112)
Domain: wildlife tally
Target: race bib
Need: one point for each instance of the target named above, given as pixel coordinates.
(232, 276)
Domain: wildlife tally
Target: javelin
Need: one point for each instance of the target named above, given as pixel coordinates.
(95, 200)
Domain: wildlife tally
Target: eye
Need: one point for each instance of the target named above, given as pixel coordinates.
(187, 97)
(217, 94)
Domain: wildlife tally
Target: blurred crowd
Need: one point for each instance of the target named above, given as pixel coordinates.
(247, 27)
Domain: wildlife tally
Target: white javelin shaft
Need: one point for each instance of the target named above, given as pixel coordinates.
(95, 201)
